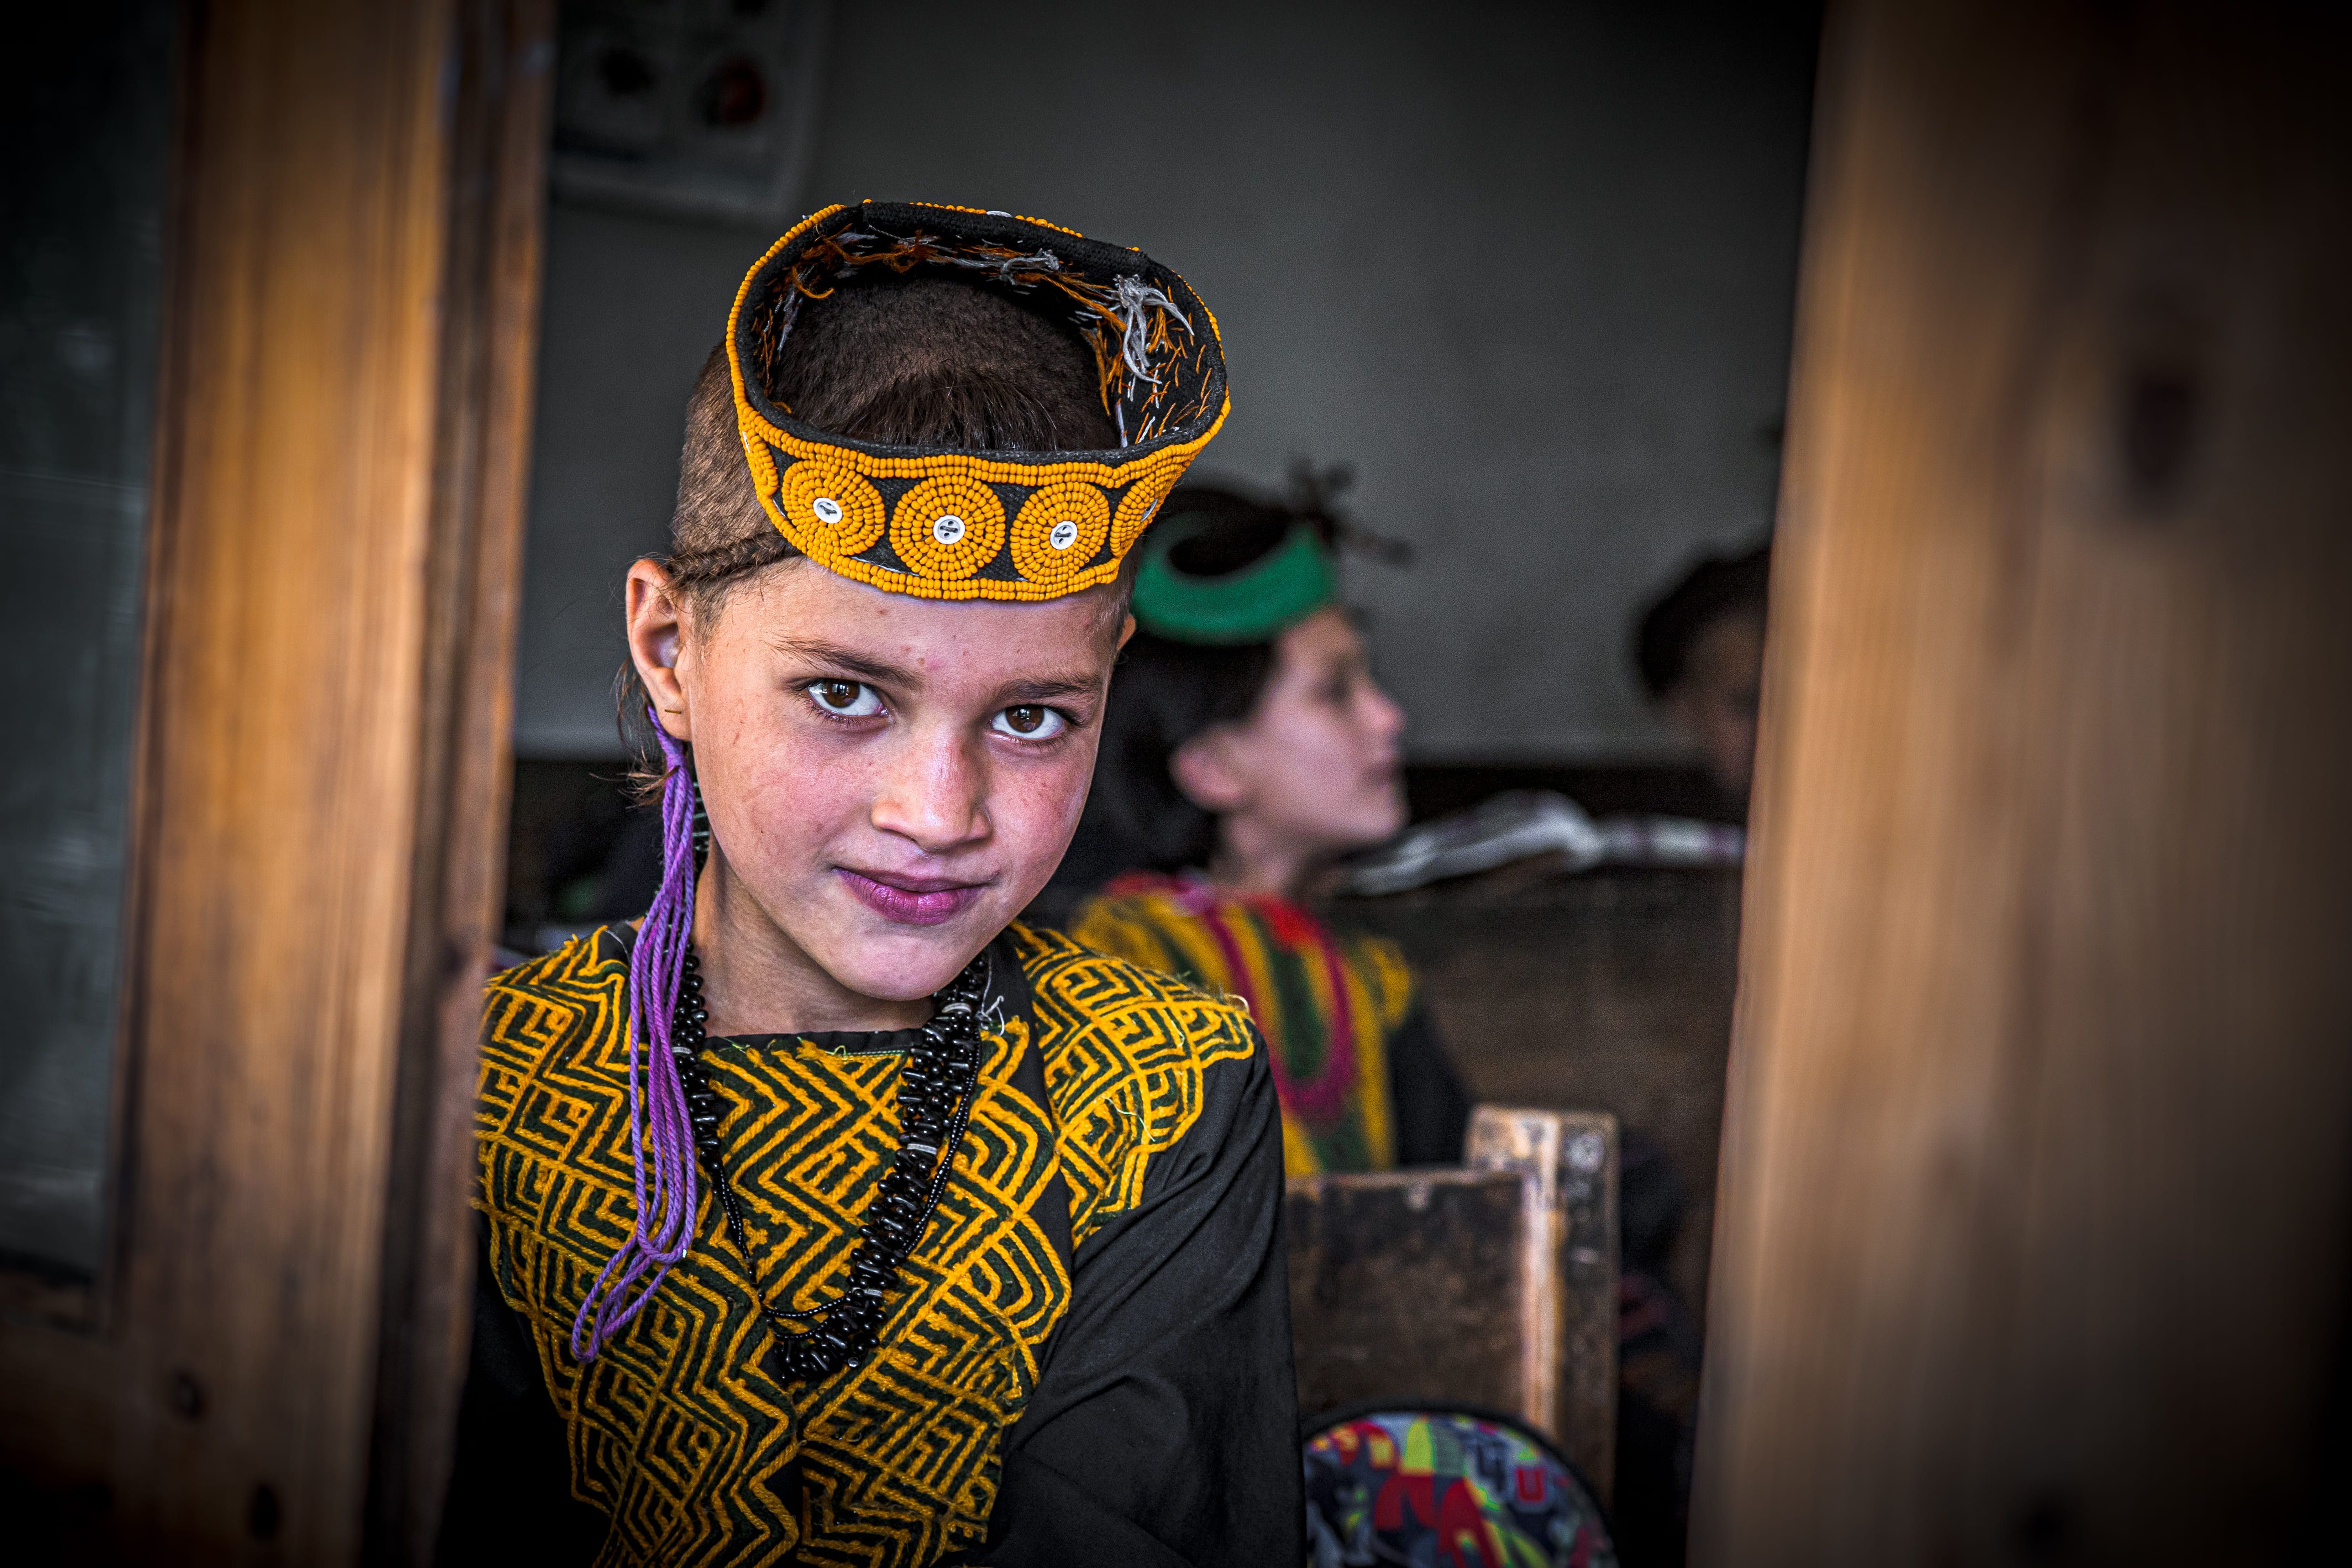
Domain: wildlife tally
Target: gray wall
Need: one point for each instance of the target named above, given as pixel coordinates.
(1528, 269)
(85, 141)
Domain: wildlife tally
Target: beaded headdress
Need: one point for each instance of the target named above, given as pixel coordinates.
(947, 524)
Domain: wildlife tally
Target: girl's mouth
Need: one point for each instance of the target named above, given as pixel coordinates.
(911, 900)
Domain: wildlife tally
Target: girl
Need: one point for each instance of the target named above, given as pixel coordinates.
(828, 1217)
(1246, 746)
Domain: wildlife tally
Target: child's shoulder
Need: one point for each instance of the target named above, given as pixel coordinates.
(1152, 893)
(1377, 953)
(1386, 971)
(578, 987)
(1066, 968)
(1078, 986)
(1141, 926)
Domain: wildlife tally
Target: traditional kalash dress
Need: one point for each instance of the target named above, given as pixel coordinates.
(1363, 1083)
(1004, 1289)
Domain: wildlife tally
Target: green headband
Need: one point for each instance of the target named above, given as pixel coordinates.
(1284, 586)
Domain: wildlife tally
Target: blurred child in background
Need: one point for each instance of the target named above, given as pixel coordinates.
(1246, 746)
(1700, 649)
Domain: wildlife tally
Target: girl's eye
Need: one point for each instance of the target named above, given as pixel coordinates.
(1031, 721)
(845, 699)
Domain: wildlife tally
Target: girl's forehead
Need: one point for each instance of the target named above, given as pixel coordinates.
(1325, 635)
(812, 613)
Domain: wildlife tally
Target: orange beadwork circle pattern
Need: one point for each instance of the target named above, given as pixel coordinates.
(948, 527)
(834, 510)
(1188, 354)
(1140, 502)
(1060, 529)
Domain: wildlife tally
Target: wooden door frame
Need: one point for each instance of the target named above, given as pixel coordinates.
(2037, 1165)
(271, 1359)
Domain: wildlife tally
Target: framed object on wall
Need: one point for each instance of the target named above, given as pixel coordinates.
(687, 107)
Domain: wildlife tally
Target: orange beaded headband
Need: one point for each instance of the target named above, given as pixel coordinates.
(945, 523)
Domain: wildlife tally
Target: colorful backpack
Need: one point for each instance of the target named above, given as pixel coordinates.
(1444, 1486)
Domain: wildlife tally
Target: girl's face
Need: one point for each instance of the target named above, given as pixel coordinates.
(1315, 771)
(889, 780)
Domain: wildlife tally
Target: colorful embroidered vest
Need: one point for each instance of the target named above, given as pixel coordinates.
(676, 1429)
(1327, 1004)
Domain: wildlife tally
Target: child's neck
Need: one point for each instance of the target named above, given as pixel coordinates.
(757, 980)
(1252, 861)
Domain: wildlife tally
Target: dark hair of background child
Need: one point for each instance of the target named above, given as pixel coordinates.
(1716, 587)
(1166, 693)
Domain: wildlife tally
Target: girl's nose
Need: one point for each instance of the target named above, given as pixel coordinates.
(933, 793)
(1382, 718)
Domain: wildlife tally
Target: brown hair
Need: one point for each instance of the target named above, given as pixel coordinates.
(899, 362)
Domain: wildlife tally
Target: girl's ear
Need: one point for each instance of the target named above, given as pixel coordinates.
(1210, 772)
(656, 631)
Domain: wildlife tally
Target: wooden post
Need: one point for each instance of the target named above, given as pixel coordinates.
(2033, 1209)
(270, 1366)
(504, 54)
(1572, 1155)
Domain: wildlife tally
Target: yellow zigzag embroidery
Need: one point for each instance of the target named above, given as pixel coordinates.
(677, 1431)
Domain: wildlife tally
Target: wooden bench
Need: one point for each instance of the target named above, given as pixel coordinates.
(1493, 1284)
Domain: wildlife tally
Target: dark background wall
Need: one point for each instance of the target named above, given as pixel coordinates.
(85, 117)
(1528, 269)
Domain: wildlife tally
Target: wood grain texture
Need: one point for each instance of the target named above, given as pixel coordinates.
(489, 341)
(1495, 1285)
(1573, 1156)
(354, 273)
(289, 620)
(2039, 1147)
(1421, 1284)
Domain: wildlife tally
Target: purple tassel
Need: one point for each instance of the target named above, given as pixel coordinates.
(661, 1137)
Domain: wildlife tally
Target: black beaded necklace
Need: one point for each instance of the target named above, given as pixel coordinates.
(936, 1085)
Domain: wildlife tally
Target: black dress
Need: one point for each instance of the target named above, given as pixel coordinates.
(1162, 1424)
